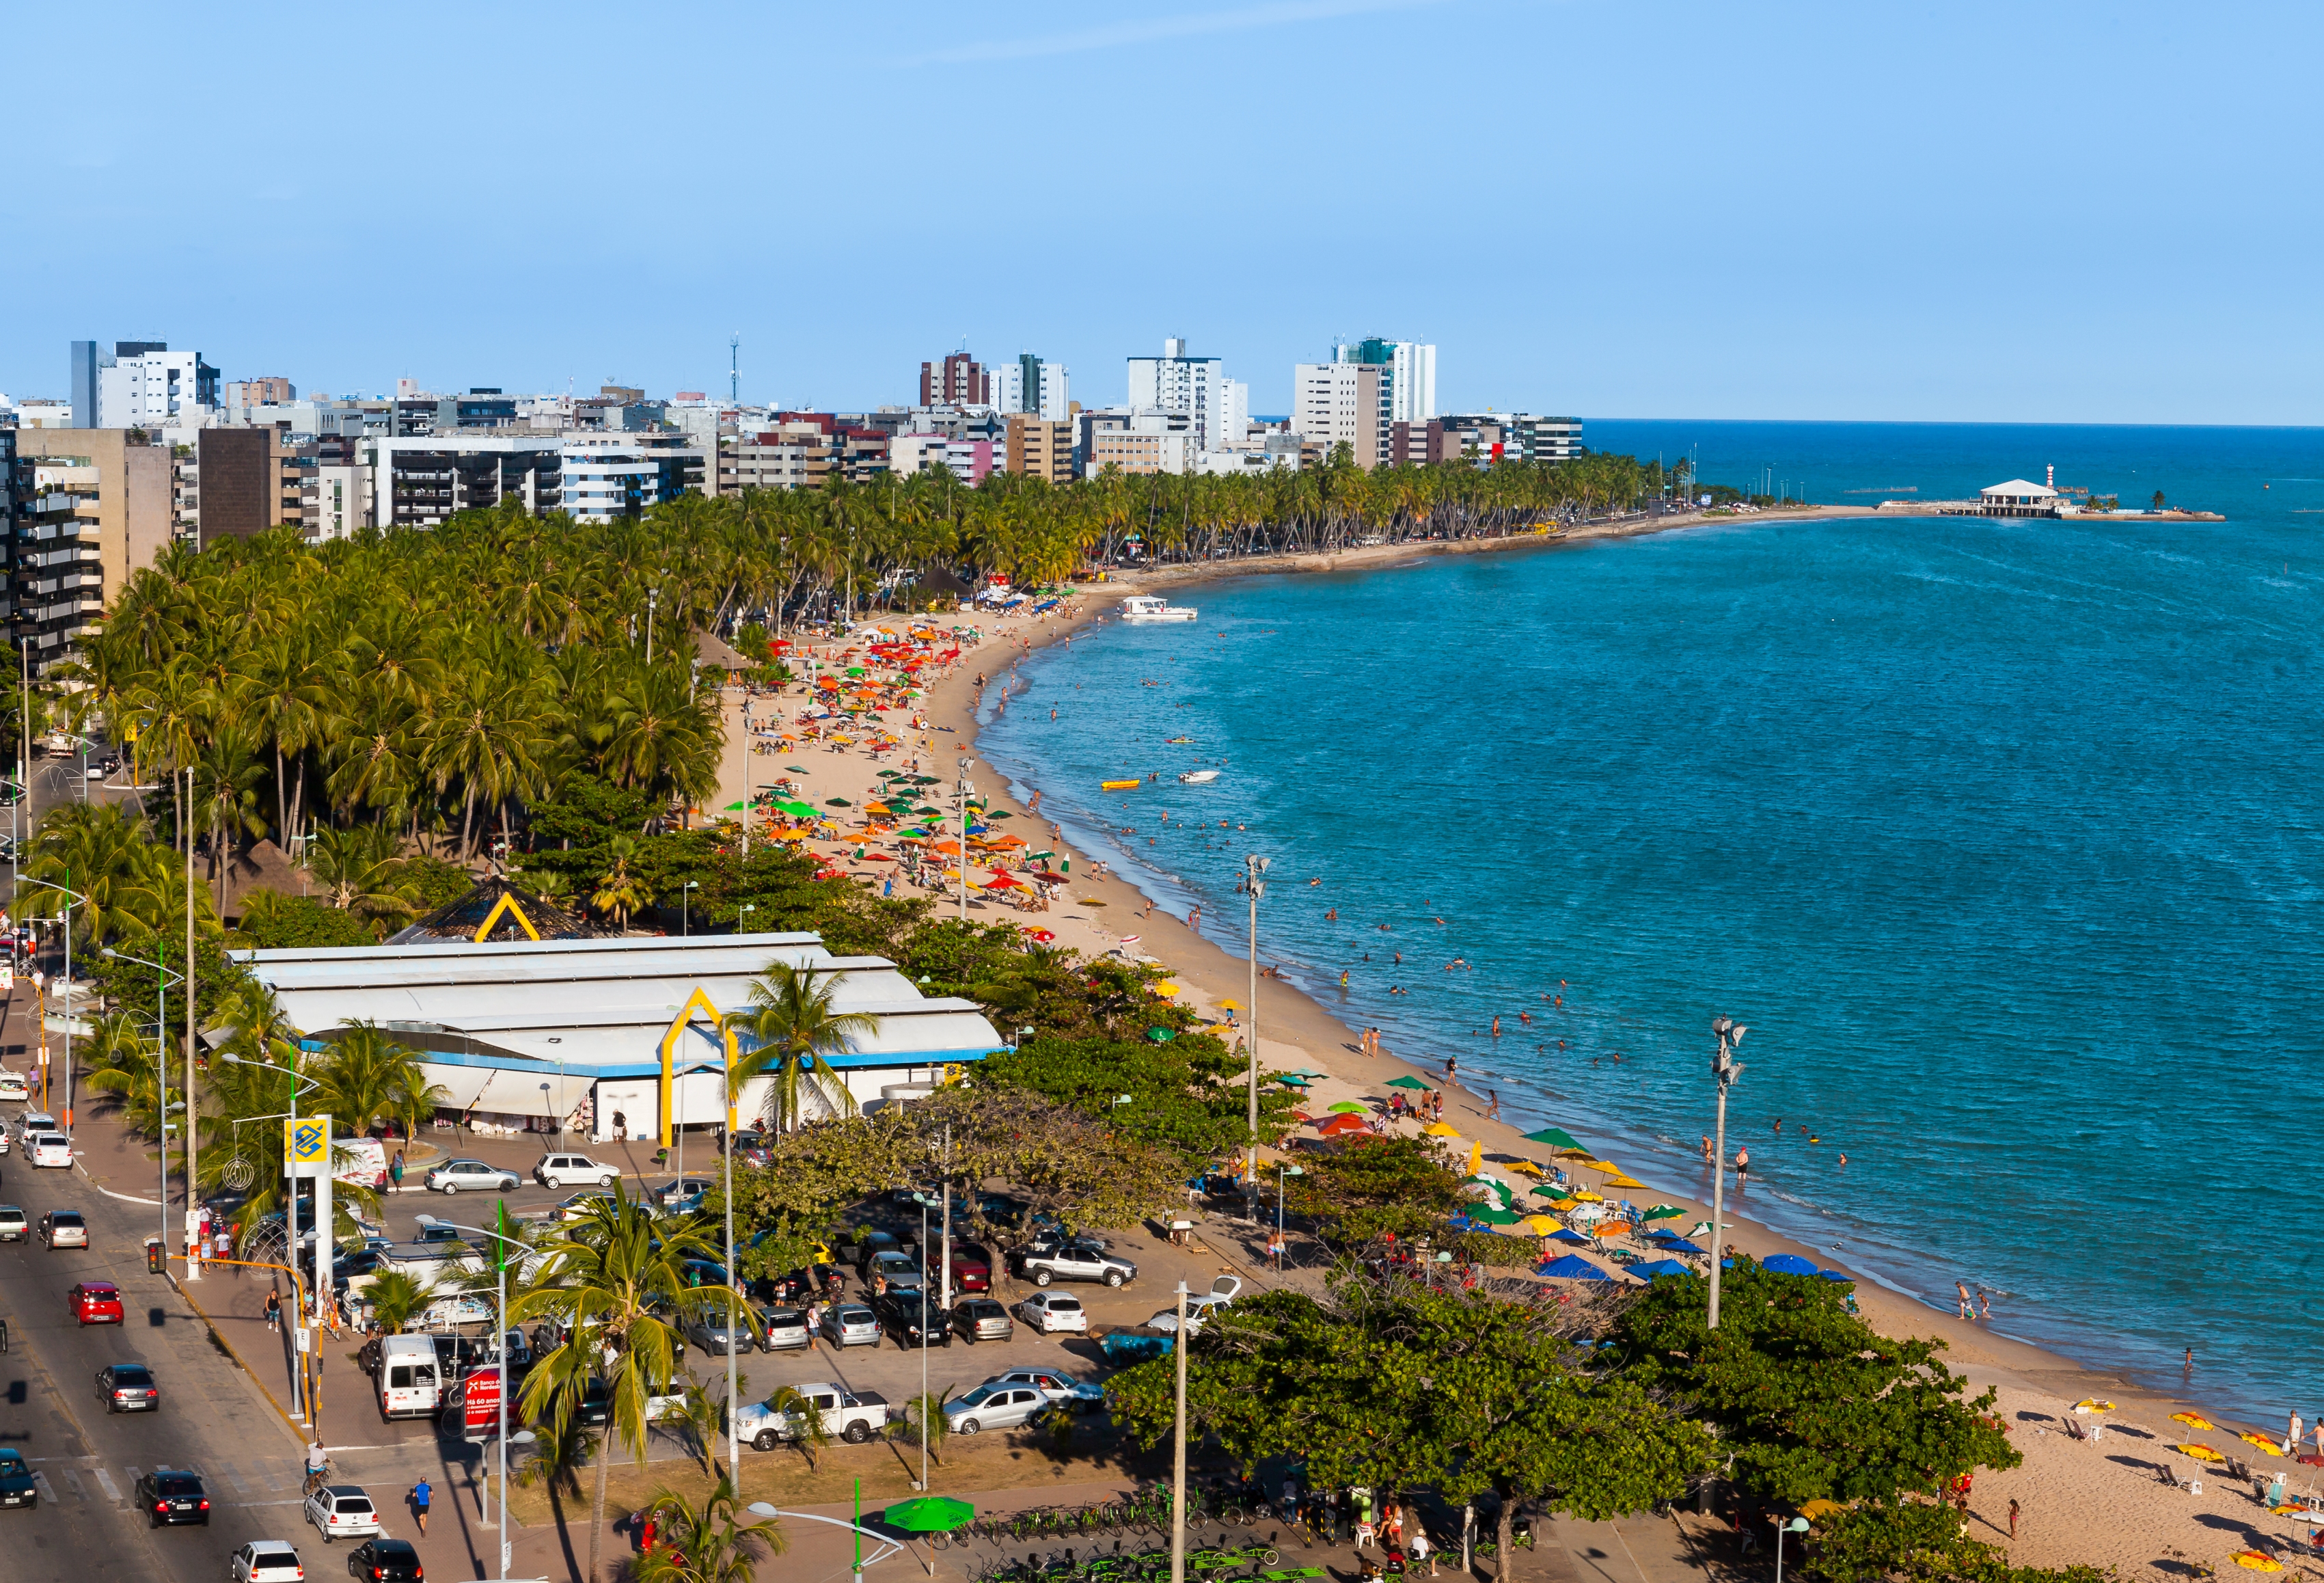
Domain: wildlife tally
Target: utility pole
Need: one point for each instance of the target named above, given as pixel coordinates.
(734, 371)
(1178, 1452)
(193, 1001)
(1254, 880)
(966, 790)
(1724, 1068)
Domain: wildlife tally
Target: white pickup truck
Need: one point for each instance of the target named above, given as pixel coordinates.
(853, 1416)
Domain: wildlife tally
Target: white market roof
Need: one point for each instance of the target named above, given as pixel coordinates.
(2019, 486)
(599, 1004)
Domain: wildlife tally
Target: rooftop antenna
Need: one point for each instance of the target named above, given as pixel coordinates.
(734, 371)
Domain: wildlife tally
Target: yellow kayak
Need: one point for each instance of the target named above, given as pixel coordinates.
(1118, 785)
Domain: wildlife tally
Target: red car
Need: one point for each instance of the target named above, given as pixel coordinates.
(96, 1303)
(970, 1271)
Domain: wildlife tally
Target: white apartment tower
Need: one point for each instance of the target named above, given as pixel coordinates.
(146, 385)
(1175, 382)
(1032, 385)
(1411, 370)
(1343, 403)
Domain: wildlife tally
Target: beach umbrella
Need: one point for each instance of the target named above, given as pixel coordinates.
(877, 858)
(1556, 1137)
(2092, 1404)
(2193, 1421)
(2200, 1453)
(736, 807)
(1571, 1267)
(1788, 1264)
(837, 802)
(1819, 1509)
(1339, 1126)
(2257, 1561)
(2273, 1447)
(1288, 1081)
(1835, 1274)
(1395, 1082)
(1492, 1216)
(1625, 1183)
(1675, 1244)
(1551, 1192)
(1346, 1107)
(1476, 1158)
(1654, 1269)
(1575, 1237)
(1663, 1212)
(929, 1514)
(796, 769)
(1584, 1196)
(1544, 1225)
(1440, 1129)
(1232, 1005)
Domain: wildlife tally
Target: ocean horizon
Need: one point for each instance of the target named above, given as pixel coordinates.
(2001, 836)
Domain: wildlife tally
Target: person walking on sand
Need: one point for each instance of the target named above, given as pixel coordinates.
(2013, 1519)
(1492, 1105)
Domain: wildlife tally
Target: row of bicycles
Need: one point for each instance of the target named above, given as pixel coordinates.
(1223, 1560)
(1146, 1513)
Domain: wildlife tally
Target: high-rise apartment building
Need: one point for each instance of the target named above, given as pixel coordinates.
(267, 390)
(1411, 368)
(1493, 437)
(97, 511)
(1031, 384)
(959, 380)
(1177, 383)
(1343, 403)
(143, 384)
(1040, 447)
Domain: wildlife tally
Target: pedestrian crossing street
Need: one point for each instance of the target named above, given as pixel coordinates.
(257, 1481)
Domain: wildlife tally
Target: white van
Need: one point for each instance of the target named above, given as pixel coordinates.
(407, 1377)
(358, 1161)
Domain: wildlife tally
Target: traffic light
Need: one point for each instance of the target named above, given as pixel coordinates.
(153, 1255)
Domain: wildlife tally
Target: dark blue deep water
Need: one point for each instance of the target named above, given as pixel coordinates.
(2001, 836)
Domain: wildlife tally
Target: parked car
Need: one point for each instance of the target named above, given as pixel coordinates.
(684, 1196)
(12, 1086)
(898, 1269)
(16, 1485)
(855, 1417)
(982, 1318)
(267, 1560)
(559, 1171)
(64, 1228)
(1051, 1312)
(1223, 1291)
(49, 1150)
(716, 1334)
(14, 1225)
(342, 1510)
(782, 1329)
(34, 1121)
(1052, 1259)
(972, 1268)
(128, 1387)
(577, 1206)
(851, 1324)
(386, 1561)
(1056, 1384)
(868, 1245)
(95, 1302)
(994, 1407)
(170, 1498)
(912, 1315)
(470, 1176)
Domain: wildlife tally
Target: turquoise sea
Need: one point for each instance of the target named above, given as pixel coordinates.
(2003, 837)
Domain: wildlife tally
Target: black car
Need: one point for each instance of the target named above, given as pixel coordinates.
(128, 1387)
(385, 1560)
(596, 1404)
(347, 1268)
(906, 1312)
(172, 1498)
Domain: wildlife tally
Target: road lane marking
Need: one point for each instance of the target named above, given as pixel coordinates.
(47, 1491)
(104, 1483)
(73, 1483)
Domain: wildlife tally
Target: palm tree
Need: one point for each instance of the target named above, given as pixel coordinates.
(557, 1459)
(395, 1297)
(793, 1027)
(618, 894)
(709, 1543)
(120, 1062)
(367, 1076)
(359, 868)
(100, 850)
(616, 1280)
(929, 1424)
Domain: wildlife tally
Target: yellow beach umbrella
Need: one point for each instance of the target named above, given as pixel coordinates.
(2092, 1404)
(2273, 1447)
(2201, 1453)
(2193, 1421)
(1584, 1196)
(1476, 1158)
(1816, 1509)
(1231, 1005)
(1440, 1129)
(2255, 1561)
(1542, 1225)
(1166, 989)
(1623, 1181)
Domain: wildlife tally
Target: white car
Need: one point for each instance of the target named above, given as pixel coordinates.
(12, 1086)
(53, 1149)
(472, 1175)
(559, 1171)
(3, 1140)
(342, 1510)
(1223, 1291)
(14, 1225)
(34, 1121)
(1051, 1312)
(267, 1560)
(996, 1405)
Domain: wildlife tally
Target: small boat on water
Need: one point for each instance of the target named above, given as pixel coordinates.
(1177, 741)
(1148, 607)
(1118, 785)
(1198, 777)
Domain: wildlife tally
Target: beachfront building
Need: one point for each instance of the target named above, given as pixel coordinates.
(1177, 382)
(608, 1037)
(1032, 385)
(2017, 497)
(1341, 403)
(1410, 372)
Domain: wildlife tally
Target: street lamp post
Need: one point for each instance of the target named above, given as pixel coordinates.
(1797, 1525)
(65, 995)
(1724, 1068)
(1178, 1451)
(162, 1079)
(1286, 1170)
(967, 789)
(1254, 880)
(684, 907)
(501, 1265)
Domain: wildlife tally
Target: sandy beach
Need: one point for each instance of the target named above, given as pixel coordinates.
(2119, 1500)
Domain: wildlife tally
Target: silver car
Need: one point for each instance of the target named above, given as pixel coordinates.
(717, 1333)
(851, 1324)
(981, 1319)
(782, 1329)
(994, 1406)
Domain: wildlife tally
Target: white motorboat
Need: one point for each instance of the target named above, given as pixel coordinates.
(1198, 777)
(1148, 607)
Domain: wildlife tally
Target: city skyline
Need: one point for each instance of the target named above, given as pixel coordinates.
(1990, 215)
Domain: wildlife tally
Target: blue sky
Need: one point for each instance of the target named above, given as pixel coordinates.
(1973, 212)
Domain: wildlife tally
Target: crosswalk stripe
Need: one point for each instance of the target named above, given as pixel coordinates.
(104, 1483)
(73, 1483)
(40, 1481)
(232, 1475)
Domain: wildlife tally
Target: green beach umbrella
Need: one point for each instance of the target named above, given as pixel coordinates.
(1405, 1083)
(796, 769)
(1556, 1138)
(732, 806)
(1663, 1212)
(837, 802)
(1004, 813)
(1348, 1107)
(1492, 1216)
(1546, 1191)
(929, 1514)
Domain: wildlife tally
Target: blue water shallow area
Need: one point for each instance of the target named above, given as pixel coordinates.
(2001, 836)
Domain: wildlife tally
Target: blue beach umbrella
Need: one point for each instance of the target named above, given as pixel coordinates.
(1571, 1267)
(1575, 1237)
(1835, 1275)
(1660, 1267)
(1788, 1264)
(1676, 1245)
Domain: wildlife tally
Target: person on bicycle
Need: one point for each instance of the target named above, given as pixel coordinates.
(318, 1465)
